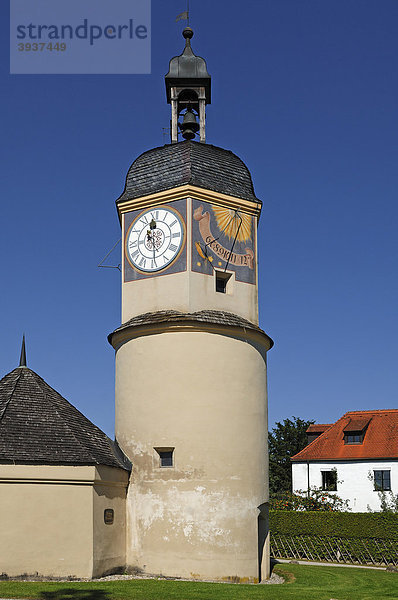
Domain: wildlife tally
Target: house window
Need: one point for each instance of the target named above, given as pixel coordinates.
(382, 481)
(165, 457)
(353, 437)
(222, 279)
(329, 481)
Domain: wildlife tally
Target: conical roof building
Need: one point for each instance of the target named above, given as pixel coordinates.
(39, 426)
(63, 484)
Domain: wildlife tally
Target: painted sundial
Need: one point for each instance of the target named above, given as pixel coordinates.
(223, 238)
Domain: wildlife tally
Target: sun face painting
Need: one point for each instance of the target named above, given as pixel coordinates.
(223, 238)
(233, 223)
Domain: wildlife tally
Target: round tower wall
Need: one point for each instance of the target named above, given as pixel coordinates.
(202, 396)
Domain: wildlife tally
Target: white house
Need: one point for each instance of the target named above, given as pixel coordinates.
(356, 457)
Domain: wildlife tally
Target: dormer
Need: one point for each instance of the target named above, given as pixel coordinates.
(315, 430)
(354, 432)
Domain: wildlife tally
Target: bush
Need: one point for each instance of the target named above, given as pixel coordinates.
(318, 500)
(388, 503)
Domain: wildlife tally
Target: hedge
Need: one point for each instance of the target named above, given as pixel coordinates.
(334, 524)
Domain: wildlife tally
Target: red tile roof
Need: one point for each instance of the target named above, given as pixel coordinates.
(357, 424)
(380, 439)
(318, 427)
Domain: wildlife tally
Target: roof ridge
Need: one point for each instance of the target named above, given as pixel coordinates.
(61, 433)
(375, 410)
(189, 147)
(307, 446)
(3, 411)
(380, 440)
(81, 443)
(48, 386)
(42, 385)
(50, 397)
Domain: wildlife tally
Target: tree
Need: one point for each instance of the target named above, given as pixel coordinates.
(284, 441)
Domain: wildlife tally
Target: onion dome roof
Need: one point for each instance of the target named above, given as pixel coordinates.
(188, 69)
(188, 162)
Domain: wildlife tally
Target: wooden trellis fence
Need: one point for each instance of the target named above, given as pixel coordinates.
(365, 551)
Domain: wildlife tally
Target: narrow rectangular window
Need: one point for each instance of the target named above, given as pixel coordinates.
(222, 279)
(329, 481)
(382, 481)
(166, 458)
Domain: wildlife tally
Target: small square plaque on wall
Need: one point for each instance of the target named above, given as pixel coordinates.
(109, 516)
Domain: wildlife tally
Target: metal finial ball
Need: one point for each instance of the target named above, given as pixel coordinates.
(187, 33)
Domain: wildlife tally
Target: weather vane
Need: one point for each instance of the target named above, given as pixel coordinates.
(184, 16)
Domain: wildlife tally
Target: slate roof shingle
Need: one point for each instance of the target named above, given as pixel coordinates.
(216, 317)
(380, 439)
(37, 425)
(188, 162)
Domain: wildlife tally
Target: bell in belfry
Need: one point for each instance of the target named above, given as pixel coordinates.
(189, 125)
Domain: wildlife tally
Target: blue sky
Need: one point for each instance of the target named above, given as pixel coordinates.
(305, 92)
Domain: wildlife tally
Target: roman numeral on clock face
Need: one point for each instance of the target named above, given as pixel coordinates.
(154, 249)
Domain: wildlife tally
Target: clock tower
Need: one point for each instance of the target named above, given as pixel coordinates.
(191, 390)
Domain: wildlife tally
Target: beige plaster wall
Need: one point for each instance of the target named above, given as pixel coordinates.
(109, 539)
(47, 523)
(187, 291)
(203, 394)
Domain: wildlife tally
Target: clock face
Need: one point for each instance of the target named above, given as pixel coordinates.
(154, 239)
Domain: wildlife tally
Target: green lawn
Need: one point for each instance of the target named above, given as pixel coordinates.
(305, 583)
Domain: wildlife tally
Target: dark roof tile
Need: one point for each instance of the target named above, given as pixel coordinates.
(37, 425)
(216, 317)
(188, 162)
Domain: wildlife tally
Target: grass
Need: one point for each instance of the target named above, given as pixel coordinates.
(302, 583)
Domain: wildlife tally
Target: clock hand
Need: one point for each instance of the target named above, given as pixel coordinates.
(152, 226)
